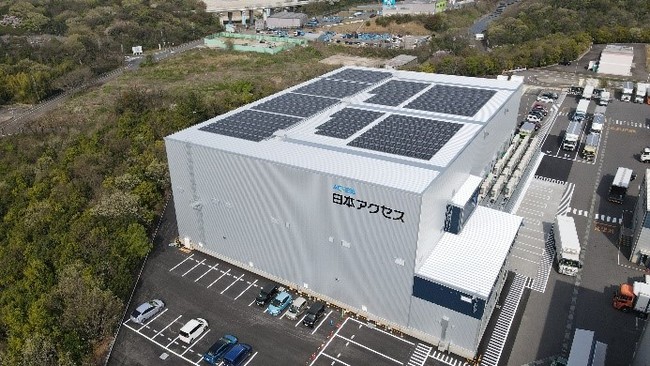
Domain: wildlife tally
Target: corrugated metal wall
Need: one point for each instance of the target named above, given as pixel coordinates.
(641, 224)
(280, 219)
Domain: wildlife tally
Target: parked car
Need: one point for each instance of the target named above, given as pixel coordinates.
(298, 307)
(645, 155)
(219, 349)
(237, 354)
(267, 292)
(533, 118)
(538, 113)
(545, 99)
(147, 310)
(280, 302)
(192, 330)
(539, 107)
(314, 313)
(565, 63)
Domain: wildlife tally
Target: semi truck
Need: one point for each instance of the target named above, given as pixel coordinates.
(567, 245)
(605, 97)
(641, 91)
(588, 92)
(634, 297)
(591, 146)
(572, 136)
(598, 122)
(581, 110)
(626, 91)
(620, 184)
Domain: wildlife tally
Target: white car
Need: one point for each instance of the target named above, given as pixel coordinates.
(147, 310)
(192, 330)
(645, 155)
(544, 99)
(533, 118)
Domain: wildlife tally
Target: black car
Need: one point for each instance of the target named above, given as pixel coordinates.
(537, 113)
(539, 109)
(267, 292)
(314, 313)
(565, 63)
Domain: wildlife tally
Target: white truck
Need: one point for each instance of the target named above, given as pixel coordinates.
(598, 122)
(645, 155)
(567, 245)
(588, 92)
(572, 136)
(635, 297)
(581, 110)
(605, 97)
(591, 146)
(641, 91)
(626, 91)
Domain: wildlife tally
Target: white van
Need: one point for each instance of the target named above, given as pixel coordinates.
(298, 307)
(192, 330)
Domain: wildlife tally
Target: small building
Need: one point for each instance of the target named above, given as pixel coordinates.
(641, 225)
(616, 60)
(286, 19)
(400, 61)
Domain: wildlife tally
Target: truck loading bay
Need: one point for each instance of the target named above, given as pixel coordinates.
(543, 318)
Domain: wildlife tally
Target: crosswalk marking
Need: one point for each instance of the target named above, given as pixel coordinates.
(420, 355)
(447, 359)
(597, 216)
(632, 124)
(539, 177)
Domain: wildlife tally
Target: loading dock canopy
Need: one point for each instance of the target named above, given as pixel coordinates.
(470, 262)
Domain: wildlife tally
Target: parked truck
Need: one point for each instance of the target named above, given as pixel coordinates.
(598, 122)
(572, 136)
(591, 146)
(634, 297)
(605, 97)
(626, 91)
(588, 92)
(620, 184)
(567, 245)
(581, 110)
(641, 91)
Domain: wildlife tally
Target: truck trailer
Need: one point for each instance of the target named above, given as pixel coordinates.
(567, 245)
(588, 92)
(591, 146)
(597, 123)
(620, 184)
(626, 91)
(634, 297)
(605, 97)
(572, 136)
(641, 92)
(581, 110)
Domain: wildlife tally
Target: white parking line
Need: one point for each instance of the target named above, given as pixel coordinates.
(252, 302)
(249, 286)
(191, 269)
(335, 359)
(383, 331)
(300, 321)
(206, 272)
(168, 325)
(369, 349)
(154, 318)
(195, 342)
(213, 282)
(162, 346)
(183, 261)
(321, 322)
(233, 282)
(328, 342)
(251, 359)
(172, 342)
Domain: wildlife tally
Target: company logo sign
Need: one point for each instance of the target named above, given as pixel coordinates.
(373, 208)
(343, 189)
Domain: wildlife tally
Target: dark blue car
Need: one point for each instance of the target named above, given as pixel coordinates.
(237, 354)
(219, 349)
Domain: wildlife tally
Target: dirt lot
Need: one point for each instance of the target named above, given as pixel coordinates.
(411, 28)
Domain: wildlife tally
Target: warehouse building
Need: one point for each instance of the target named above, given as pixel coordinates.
(360, 187)
(286, 19)
(616, 60)
(641, 225)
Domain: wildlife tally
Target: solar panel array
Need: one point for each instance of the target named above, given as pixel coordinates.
(413, 137)
(395, 92)
(331, 88)
(250, 125)
(361, 76)
(296, 104)
(347, 122)
(456, 100)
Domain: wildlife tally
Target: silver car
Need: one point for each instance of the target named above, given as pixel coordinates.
(147, 310)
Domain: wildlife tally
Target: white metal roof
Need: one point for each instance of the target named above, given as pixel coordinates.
(616, 60)
(583, 341)
(470, 261)
(623, 177)
(466, 190)
(647, 190)
(301, 147)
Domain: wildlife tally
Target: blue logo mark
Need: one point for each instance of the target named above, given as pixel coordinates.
(343, 189)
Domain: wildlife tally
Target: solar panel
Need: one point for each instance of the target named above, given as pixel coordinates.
(347, 122)
(395, 92)
(361, 76)
(296, 104)
(456, 100)
(331, 88)
(250, 125)
(414, 137)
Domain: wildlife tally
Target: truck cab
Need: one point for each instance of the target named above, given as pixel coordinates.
(645, 155)
(633, 297)
(620, 184)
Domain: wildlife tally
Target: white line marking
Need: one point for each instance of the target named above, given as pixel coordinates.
(191, 269)
(183, 261)
(233, 282)
(369, 349)
(172, 342)
(213, 282)
(159, 344)
(390, 334)
(335, 360)
(321, 322)
(196, 341)
(524, 259)
(168, 325)
(251, 359)
(328, 342)
(300, 321)
(249, 286)
(206, 272)
(252, 302)
(154, 318)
